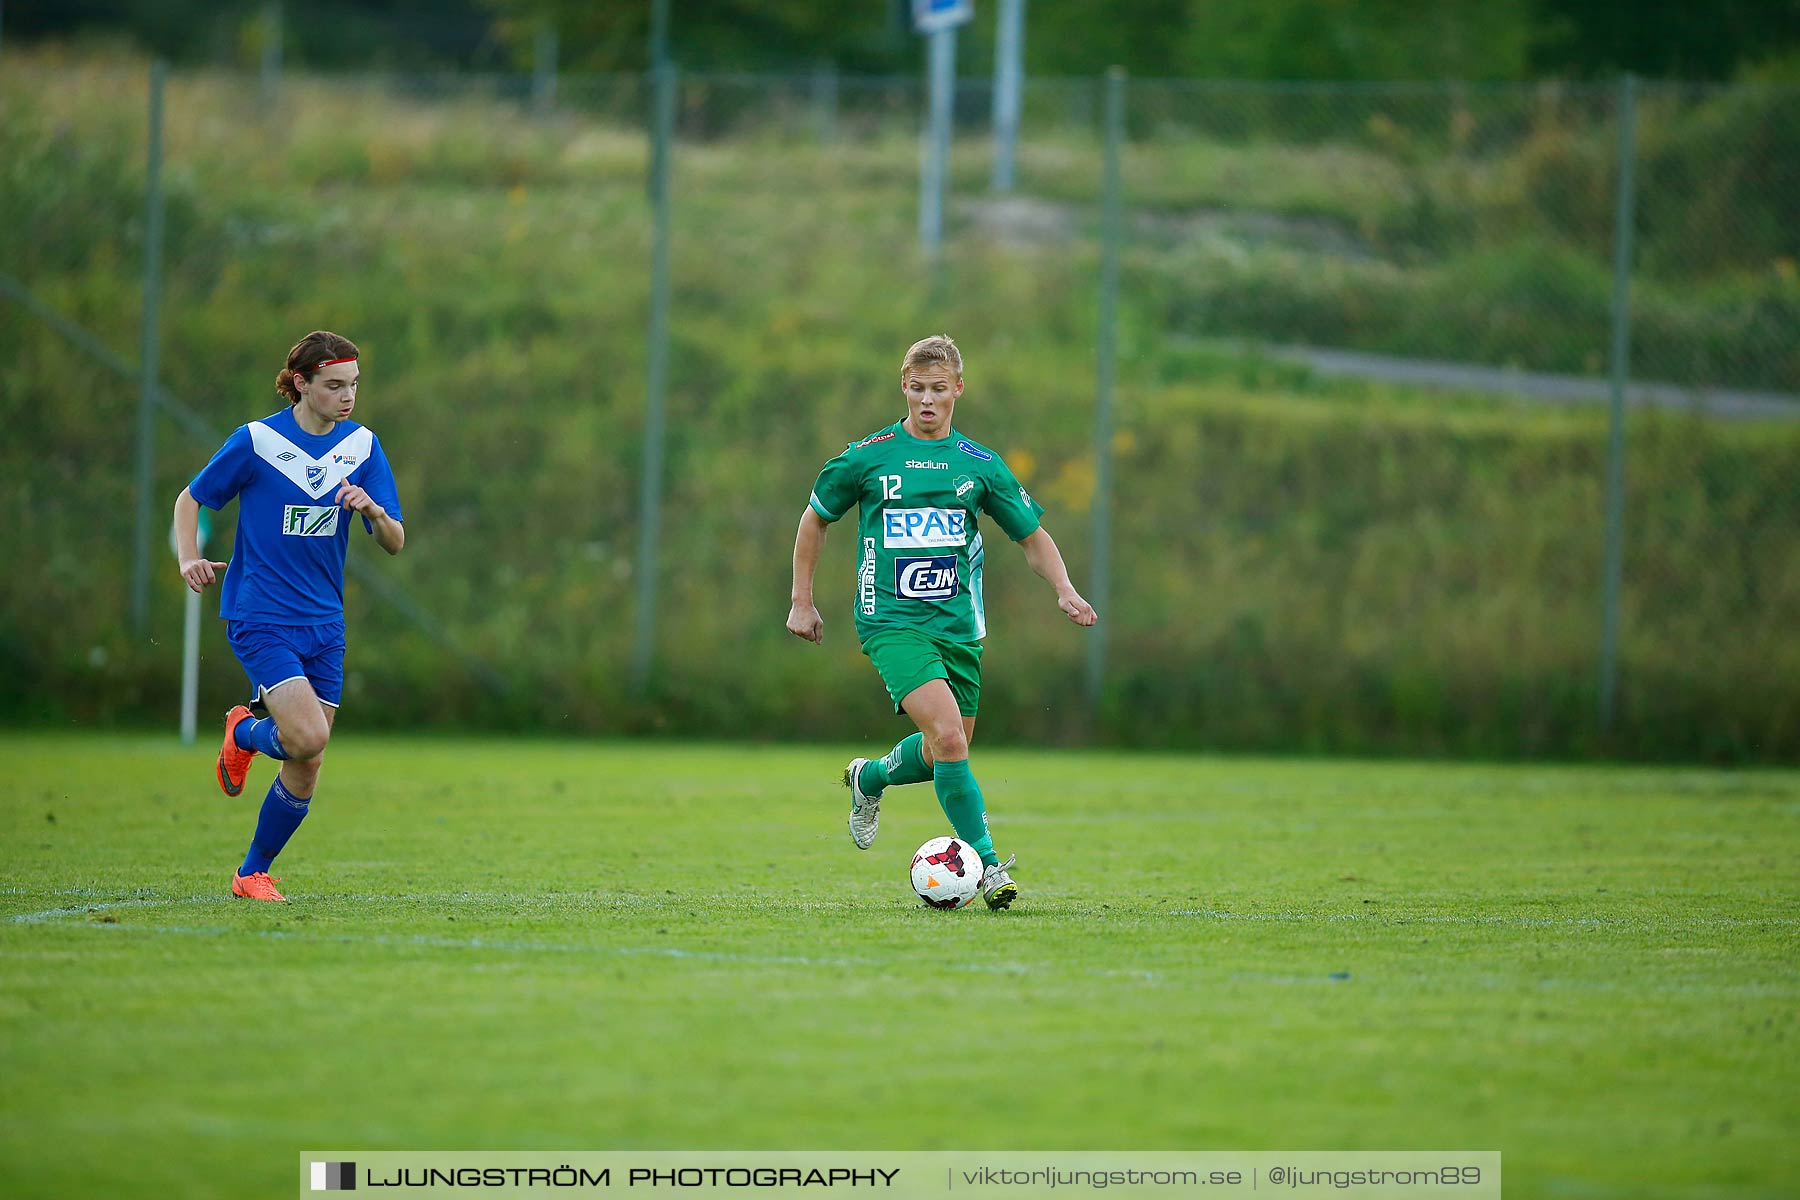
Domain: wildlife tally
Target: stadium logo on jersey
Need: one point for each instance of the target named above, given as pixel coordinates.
(974, 451)
(925, 578)
(310, 520)
(919, 528)
(870, 441)
(865, 579)
(916, 465)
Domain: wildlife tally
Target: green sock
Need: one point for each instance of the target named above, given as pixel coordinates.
(905, 763)
(960, 795)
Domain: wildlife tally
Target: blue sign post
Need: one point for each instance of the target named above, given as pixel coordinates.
(938, 21)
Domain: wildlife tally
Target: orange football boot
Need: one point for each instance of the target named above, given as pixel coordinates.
(234, 761)
(255, 886)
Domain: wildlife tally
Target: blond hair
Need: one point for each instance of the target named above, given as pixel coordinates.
(933, 351)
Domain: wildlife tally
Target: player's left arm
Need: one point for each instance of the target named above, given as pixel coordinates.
(1041, 552)
(377, 500)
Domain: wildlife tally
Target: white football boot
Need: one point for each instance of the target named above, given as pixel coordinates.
(997, 887)
(865, 811)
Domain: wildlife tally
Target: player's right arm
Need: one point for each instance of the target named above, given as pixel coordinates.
(198, 570)
(218, 481)
(837, 490)
(804, 620)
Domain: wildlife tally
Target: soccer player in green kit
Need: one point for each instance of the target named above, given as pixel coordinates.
(921, 486)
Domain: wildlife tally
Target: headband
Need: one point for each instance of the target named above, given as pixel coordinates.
(334, 362)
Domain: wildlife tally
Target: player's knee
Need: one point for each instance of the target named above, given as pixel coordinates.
(306, 742)
(949, 744)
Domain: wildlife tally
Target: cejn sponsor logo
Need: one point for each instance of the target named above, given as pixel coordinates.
(310, 520)
(926, 578)
(922, 528)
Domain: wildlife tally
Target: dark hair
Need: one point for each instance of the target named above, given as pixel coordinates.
(308, 355)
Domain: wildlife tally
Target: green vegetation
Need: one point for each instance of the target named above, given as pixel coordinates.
(1302, 564)
(550, 945)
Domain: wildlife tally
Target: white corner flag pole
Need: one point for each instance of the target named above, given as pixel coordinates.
(190, 647)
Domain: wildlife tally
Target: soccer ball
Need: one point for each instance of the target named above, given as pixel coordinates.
(946, 872)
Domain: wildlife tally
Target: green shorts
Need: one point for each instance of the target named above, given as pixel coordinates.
(906, 658)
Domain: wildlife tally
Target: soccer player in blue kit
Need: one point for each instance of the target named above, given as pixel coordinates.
(295, 474)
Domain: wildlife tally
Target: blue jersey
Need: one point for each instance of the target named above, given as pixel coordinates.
(287, 567)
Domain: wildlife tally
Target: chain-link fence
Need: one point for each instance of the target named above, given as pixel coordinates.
(1360, 432)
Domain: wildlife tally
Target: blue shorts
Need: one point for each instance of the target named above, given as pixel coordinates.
(274, 654)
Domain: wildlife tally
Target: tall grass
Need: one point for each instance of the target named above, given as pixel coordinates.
(1301, 564)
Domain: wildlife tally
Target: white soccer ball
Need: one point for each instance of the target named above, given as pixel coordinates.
(946, 872)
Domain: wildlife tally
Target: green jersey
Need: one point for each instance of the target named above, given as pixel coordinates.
(918, 547)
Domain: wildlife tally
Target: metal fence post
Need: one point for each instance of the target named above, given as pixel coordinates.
(543, 71)
(1009, 54)
(656, 381)
(272, 26)
(148, 364)
(825, 101)
(1113, 235)
(1620, 370)
(941, 59)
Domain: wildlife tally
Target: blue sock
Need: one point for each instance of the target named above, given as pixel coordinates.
(261, 736)
(282, 812)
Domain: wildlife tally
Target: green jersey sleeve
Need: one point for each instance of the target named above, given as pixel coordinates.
(1010, 504)
(838, 488)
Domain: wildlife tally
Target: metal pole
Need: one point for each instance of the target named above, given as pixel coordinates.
(655, 385)
(1620, 369)
(543, 71)
(1009, 55)
(825, 101)
(271, 52)
(942, 67)
(659, 54)
(190, 668)
(148, 356)
(1113, 234)
(659, 32)
(190, 636)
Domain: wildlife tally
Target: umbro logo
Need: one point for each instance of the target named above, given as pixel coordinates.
(287, 456)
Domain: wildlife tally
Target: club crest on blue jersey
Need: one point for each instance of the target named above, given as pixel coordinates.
(931, 578)
(315, 477)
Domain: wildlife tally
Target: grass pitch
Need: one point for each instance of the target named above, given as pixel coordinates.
(530, 945)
